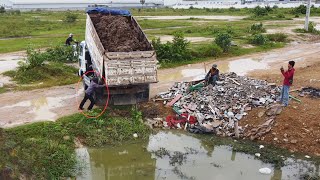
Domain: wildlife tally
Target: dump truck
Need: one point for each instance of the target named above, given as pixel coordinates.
(117, 50)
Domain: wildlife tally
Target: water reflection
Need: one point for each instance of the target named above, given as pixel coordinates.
(170, 155)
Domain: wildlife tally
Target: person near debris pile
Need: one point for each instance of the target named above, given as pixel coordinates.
(287, 82)
(89, 93)
(213, 75)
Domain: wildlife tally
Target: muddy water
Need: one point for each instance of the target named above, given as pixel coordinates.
(191, 157)
(10, 61)
(42, 108)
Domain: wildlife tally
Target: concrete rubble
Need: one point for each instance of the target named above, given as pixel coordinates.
(219, 108)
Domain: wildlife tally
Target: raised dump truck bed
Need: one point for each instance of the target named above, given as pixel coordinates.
(120, 52)
(121, 68)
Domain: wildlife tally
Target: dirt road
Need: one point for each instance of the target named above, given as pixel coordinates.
(49, 104)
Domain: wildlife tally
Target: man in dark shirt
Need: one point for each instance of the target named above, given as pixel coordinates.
(69, 40)
(89, 93)
(213, 75)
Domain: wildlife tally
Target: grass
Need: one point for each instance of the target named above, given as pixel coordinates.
(234, 51)
(3, 89)
(46, 28)
(47, 75)
(46, 150)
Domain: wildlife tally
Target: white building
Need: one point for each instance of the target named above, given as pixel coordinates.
(75, 4)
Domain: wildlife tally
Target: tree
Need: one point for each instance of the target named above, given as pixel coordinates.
(2, 10)
(142, 2)
(224, 41)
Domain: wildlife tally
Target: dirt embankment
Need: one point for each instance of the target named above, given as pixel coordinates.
(119, 33)
(297, 128)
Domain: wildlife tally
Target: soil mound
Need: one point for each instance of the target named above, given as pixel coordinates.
(119, 33)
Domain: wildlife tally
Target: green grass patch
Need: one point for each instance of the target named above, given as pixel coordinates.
(46, 150)
(234, 51)
(3, 89)
(47, 75)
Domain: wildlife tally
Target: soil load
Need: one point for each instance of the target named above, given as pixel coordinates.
(120, 33)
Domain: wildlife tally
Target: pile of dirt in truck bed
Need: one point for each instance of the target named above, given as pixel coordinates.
(119, 33)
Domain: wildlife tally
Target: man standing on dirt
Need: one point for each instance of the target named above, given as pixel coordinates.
(69, 40)
(213, 75)
(89, 93)
(287, 82)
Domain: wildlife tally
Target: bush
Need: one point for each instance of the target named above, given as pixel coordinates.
(70, 17)
(277, 37)
(177, 50)
(211, 50)
(259, 39)
(61, 53)
(223, 40)
(302, 9)
(257, 28)
(281, 16)
(259, 11)
(35, 58)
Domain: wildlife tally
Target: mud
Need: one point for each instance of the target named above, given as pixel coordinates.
(306, 56)
(119, 34)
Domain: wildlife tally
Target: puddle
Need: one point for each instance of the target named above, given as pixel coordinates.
(191, 157)
(42, 107)
(243, 66)
(183, 75)
(8, 65)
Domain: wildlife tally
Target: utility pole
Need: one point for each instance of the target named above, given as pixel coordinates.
(306, 25)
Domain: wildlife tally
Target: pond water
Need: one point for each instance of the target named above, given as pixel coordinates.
(172, 155)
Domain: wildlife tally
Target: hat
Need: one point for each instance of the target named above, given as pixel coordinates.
(214, 66)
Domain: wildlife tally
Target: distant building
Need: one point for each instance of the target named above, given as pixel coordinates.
(6, 4)
(75, 4)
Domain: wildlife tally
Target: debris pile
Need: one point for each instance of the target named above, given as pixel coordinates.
(310, 91)
(119, 33)
(219, 108)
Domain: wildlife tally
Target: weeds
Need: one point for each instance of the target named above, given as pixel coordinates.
(257, 28)
(278, 37)
(311, 29)
(45, 150)
(259, 39)
(70, 17)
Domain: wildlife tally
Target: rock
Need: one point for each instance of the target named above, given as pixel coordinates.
(261, 146)
(135, 135)
(257, 154)
(260, 114)
(306, 156)
(285, 135)
(66, 138)
(285, 140)
(1, 85)
(265, 170)
(275, 139)
(294, 141)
